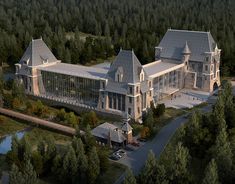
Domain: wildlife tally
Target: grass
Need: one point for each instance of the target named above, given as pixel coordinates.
(170, 114)
(9, 126)
(35, 133)
(112, 174)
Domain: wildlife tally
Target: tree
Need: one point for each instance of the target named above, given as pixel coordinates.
(218, 113)
(129, 178)
(15, 176)
(70, 166)
(149, 121)
(145, 132)
(180, 173)
(72, 119)
(37, 162)
(211, 174)
(29, 174)
(147, 175)
(18, 90)
(61, 115)
(90, 118)
(222, 154)
(81, 158)
(93, 165)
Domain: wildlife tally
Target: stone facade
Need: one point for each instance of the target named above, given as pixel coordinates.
(184, 59)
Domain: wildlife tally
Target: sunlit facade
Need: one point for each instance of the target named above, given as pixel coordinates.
(183, 59)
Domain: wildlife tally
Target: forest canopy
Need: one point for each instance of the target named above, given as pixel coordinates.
(137, 24)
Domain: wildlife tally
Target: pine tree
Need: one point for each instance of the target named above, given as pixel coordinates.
(180, 172)
(70, 165)
(211, 174)
(223, 156)
(160, 174)
(93, 165)
(29, 174)
(218, 113)
(129, 178)
(81, 158)
(15, 176)
(148, 174)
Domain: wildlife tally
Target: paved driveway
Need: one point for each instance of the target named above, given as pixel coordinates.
(135, 160)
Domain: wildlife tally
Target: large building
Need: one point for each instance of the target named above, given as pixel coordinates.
(183, 59)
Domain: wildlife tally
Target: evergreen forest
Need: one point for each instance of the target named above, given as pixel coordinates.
(111, 25)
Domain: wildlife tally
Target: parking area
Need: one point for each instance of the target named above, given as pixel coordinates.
(186, 99)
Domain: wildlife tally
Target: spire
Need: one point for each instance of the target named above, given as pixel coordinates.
(186, 49)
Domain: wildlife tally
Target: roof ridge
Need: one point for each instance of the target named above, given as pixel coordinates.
(184, 30)
(133, 71)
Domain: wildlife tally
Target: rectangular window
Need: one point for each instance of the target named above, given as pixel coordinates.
(130, 100)
(206, 68)
(102, 105)
(103, 85)
(138, 109)
(193, 66)
(150, 84)
(137, 89)
(129, 111)
(130, 90)
(150, 93)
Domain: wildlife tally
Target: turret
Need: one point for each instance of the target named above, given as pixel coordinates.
(185, 55)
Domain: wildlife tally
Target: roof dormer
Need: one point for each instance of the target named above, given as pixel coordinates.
(142, 75)
(119, 74)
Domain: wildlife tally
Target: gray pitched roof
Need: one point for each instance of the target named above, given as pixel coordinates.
(130, 64)
(173, 44)
(126, 127)
(106, 129)
(37, 53)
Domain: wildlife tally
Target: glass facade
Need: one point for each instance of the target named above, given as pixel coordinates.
(81, 90)
(117, 101)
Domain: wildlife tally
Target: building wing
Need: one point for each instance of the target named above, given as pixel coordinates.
(173, 44)
(130, 64)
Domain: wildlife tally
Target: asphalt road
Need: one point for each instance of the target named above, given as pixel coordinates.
(135, 160)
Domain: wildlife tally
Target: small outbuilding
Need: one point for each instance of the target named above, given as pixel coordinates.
(112, 135)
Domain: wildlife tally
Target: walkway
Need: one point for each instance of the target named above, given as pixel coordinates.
(186, 99)
(56, 126)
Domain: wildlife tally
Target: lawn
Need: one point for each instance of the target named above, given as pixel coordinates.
(112, 174)
(9, 126)
(35, 133)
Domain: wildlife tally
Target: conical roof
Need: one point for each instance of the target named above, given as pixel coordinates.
(186, 49)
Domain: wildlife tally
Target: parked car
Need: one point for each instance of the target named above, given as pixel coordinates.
(142, 139)
(112, 157)
(137, 144)
(121, 152)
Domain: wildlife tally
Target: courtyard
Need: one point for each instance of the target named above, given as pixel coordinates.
(185, 98)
